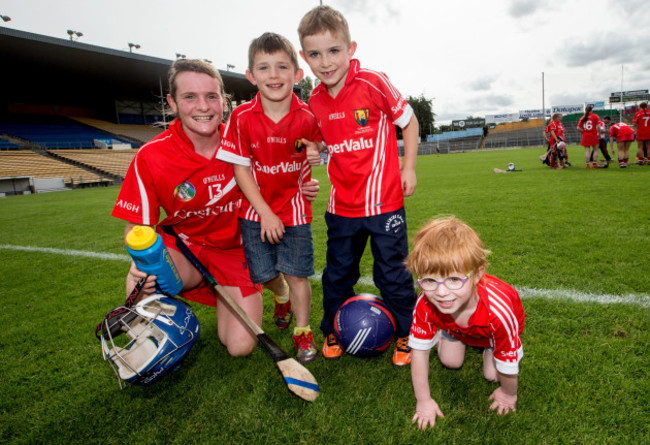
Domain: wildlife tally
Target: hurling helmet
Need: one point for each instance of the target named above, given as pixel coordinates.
(144, 342)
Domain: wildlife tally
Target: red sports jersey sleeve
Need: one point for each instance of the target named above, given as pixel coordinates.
(558, 129)
(358, 127)
(642, 121)
(276, 156)
(199, 196)
(497, 323)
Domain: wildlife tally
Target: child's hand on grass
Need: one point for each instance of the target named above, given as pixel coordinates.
(501, 402)
(426, 413)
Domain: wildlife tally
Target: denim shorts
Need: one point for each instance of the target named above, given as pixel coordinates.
(293, 256)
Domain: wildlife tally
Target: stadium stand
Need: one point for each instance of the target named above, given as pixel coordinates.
(139, 134)
(28, 163)
(112, 163)
(53, 131)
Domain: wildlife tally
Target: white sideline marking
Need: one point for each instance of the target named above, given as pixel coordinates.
(68, 252)
(524, 292)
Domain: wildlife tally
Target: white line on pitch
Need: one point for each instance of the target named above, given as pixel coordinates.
(524, 292)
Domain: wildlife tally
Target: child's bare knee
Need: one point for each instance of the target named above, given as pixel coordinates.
(241, 349)
(452, 362)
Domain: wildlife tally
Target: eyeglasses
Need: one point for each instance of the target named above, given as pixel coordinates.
(451, 283)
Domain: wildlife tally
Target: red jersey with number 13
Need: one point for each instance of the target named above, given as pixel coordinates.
(358, 127)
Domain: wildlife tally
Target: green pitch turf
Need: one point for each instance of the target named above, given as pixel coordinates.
(574, 242)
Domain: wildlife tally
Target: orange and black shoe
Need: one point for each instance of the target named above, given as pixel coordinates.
(402, 354)
(332, 348)
(282, 315)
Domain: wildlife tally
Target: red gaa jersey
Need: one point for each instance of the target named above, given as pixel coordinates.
(558, 128)
(589, 130)
(622, 132)
(358, 127)
(497, 323)
(275, 154)
(642, 121)
(199, 195)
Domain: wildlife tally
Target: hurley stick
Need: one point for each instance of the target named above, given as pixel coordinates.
(298, 379)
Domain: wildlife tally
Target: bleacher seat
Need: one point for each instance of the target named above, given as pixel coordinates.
(53, 131)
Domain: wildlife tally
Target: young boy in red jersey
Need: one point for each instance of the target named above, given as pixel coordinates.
(641, 121)
(461, 305)
(624, 137)
(357, 110)
(263, 139)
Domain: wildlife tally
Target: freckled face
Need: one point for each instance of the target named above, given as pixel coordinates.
(198, 104)
(329, 57)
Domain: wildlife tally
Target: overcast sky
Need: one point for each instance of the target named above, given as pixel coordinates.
(473, 57)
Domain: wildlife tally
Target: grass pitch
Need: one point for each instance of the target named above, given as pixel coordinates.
(555, 235)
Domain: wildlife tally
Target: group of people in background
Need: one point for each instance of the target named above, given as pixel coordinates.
(596, 134)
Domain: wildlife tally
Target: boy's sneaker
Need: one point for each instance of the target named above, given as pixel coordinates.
(402, 354)
(331, 348)
(282, 315)
(304, 346)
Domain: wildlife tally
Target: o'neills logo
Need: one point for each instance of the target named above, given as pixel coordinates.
(283, 167)
(362, 116)
(351, 145)
(298, 145)
(335, 116)
(185, 191)
(276, 140)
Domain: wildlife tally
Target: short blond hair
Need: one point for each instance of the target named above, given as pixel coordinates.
(271, 43)
(445, 246)
(321, 19)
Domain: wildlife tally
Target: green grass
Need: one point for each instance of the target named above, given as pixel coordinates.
(584, 377)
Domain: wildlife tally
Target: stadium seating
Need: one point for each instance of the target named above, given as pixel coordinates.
(137, 134)
(28, 163)
(112, 162)
(53, 131)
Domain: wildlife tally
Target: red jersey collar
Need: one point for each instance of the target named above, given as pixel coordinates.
(176, 128)
(355, 67)
(257, 103)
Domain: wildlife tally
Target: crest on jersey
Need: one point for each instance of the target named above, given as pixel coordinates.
(185, 191)
(298, 145)
(361, 116)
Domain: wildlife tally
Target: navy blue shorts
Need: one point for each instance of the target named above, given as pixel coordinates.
(293, 256)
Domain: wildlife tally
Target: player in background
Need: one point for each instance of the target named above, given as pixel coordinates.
(624, 137)
(588, 126)
(641, 121)
(357, 110)
(263, 140)
(461, 305)
(557, 143)
(603, 139)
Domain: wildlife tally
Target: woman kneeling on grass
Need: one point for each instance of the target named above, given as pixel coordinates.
(461, 305)
(178, 172)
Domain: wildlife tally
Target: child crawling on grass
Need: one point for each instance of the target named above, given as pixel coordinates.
(461, 305)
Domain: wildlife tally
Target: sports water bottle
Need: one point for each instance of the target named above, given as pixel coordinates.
(152, 257)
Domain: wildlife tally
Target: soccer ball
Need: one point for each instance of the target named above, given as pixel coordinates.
(364, 326)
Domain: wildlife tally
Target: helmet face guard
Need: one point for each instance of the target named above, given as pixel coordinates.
(145, 342)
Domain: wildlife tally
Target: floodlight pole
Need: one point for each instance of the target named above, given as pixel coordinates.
(543, 101)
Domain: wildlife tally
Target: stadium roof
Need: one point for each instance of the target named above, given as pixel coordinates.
(39, 69)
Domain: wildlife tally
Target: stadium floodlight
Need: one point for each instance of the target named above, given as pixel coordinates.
(230, 67)
(72, 34)
(133, 45)
(180, 56)
(5, 18)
